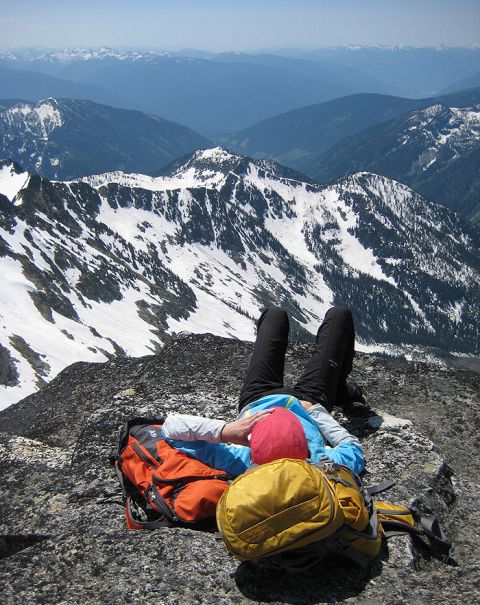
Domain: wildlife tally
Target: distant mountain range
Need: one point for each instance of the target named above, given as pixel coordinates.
(294, 137)
(412, 71)
(435, 150)
(69, 138)
(209, 95)
(216, 94)
(113, 263)
(342, 77)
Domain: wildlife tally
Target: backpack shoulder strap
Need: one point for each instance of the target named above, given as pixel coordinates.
(400, 520)
(133, 522)
(427, 526)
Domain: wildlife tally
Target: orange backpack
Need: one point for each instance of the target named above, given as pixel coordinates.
(161, 485)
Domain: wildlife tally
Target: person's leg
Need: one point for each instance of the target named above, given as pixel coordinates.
(265, 370)
(326, 372)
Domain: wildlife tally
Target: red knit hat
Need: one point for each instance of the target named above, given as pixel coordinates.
(278, 435)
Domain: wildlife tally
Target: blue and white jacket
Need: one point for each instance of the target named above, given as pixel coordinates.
(201, 437)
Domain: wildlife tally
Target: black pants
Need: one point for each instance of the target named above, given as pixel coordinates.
(324, 377)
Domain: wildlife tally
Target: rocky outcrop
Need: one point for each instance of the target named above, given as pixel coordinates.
(63, 535)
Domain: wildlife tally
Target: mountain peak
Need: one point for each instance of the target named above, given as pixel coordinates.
(204, 163)
(219, 157)
(433, 149)
(218, 154)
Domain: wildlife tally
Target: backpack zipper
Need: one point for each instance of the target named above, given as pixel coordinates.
(161, 504)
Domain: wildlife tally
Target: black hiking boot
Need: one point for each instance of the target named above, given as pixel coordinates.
(352, 400)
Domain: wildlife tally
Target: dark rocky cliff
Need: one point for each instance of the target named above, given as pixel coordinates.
(61, 542)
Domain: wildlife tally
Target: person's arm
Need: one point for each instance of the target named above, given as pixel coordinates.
(332, 431)
(184, 427)
(202, 438)
(346, 448)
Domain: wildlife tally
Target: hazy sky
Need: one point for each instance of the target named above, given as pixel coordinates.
(238, 24)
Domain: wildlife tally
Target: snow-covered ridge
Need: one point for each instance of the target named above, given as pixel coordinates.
(101, 270)
(188, 179)
(207, 168)
(68, 55)
(90, 53)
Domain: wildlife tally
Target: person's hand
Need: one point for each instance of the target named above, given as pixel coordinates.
(306, 404)
(238, 431)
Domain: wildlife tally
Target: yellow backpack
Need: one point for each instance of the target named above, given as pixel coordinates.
(290, 514)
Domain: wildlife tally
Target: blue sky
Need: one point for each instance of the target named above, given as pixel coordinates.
(238, 24)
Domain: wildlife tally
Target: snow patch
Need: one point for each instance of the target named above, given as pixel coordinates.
(11, 182)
